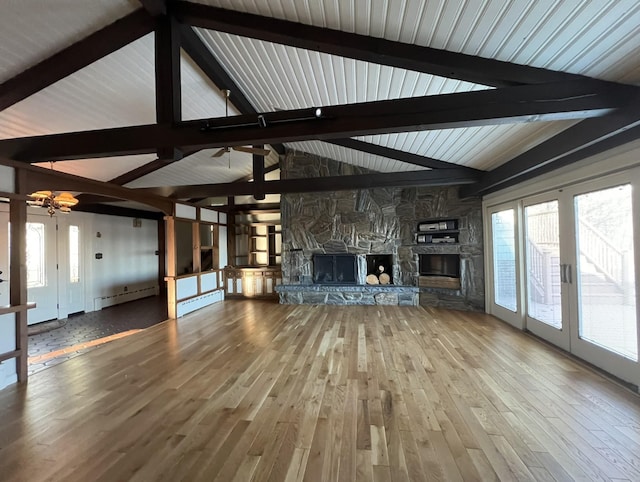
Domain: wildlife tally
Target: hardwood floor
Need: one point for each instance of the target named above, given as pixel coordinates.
(248, 390)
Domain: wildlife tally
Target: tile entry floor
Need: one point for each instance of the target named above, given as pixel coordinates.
(85, 331)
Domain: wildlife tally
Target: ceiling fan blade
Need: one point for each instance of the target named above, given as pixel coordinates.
(252, 150)
(220, 152)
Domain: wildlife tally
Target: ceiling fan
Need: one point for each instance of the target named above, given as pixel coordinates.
(250, 150)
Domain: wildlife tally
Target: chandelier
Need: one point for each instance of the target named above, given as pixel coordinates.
(62, 202)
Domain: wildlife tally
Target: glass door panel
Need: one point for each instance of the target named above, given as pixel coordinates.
(605, 278)
(74, 275)
(542, 250)
(504, 259)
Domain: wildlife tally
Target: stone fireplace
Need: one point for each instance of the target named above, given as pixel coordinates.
(379, 228)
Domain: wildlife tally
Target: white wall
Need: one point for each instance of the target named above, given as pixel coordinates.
(7, 343)
(7, 322)
(129, 263)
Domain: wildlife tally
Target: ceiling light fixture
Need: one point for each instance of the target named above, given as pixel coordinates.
(62, 202)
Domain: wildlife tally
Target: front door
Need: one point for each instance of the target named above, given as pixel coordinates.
(42, 268)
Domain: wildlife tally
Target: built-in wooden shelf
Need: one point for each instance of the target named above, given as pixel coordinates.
(438, 231)
(447, 282)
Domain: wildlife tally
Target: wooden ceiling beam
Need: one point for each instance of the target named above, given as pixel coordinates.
(75, 57)
(447, 64)
(38, 178)
(112, 210)
(147, 168)
(564, 100)
(258, 175)
(246, 178)
(204, 59)
(155, 8)
(436, 177)
(250, 208)
(585, 139)
(167, 77)
(167, 70)
(396, 154)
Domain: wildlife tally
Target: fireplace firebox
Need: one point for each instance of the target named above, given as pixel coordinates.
(334, 269)
(440, 265)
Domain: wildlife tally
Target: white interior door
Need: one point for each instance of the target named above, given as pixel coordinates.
(42, 273)
(70, 267)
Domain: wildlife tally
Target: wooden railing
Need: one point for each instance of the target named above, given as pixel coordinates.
(593, 245)
(20, 353)
(606, 257)
(251, 282)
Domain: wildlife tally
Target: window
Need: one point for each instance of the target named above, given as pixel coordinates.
(36, 275)
(504, 259)
(74, 254)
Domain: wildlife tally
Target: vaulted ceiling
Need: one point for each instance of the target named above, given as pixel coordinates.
(484, 93)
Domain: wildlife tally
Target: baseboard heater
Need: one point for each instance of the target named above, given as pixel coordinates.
(106, 301)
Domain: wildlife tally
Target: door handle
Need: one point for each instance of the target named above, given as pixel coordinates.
(568, 273)
(565, 273)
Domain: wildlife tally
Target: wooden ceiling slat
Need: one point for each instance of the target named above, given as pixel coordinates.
(75, 57)
(587, 138)
(403, 156)
(200, 54)
(447, 64)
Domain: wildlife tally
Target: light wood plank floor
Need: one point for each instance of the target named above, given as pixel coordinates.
(249, 390)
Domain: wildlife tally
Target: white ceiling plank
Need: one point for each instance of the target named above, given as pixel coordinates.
(594, 38)
(103, 169)
(33, 30)
(117, 90)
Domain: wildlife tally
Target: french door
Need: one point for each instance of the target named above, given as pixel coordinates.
(505, 264)
(564, 267)
(602, 276)
(547, 307)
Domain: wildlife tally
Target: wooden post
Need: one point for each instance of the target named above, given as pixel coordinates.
(18, 270)
(162, 257)
(231, 232)
(172, 307)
